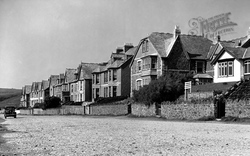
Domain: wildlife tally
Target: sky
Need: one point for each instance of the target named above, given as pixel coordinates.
(39, 38)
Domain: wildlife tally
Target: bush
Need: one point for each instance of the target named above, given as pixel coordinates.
(110, 99)
(39, 105)
(52, 102)
(167, 88)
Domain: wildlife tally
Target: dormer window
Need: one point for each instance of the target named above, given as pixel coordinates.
(200, 66)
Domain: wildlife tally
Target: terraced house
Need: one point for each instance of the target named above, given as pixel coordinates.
(162, 52)
(44, 91)
(113, 78)
(58, 86)
(35, 93)
(25, 99)
(52, 82)
(81, 86)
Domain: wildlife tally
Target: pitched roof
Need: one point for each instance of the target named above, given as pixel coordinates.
(45, 84)
(131, 51)
(237, 52)
(86, 69)
(27, 89)
(197, 47)
(53, 80)
(70, 75)
(158, 41)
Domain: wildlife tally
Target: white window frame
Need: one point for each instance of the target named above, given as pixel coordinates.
(223, 69)
(141, 84)
(247, 67)
(139, 69)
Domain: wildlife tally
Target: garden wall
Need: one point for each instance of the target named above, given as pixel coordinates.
(143, 110)
(186, 111)
(73, 110)
(109, 109)
(239, 109)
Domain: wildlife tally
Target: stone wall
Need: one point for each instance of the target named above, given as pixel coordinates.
(25, 111)
(187, 111)
(199, 95)
(109, 109)
(143, 110)
(39, 111)
(239, 109)
(73, 110)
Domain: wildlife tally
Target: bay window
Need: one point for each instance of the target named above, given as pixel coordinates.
(247, 67)
(225, 68)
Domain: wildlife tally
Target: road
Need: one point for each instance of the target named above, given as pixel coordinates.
(89, 135)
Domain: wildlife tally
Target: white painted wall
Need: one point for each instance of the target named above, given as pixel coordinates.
(238, 70)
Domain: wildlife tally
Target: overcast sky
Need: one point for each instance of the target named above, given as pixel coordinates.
(39, 38)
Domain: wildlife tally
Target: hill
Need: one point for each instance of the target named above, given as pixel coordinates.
(10, 97)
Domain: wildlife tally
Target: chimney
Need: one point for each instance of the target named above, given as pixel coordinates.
(119, 50)
(127, 46)
(177, 31)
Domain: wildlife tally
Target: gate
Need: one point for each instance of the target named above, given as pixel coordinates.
(219, 106)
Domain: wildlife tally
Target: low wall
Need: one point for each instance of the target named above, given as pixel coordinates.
(200, 95)
(25, 111)
(186, 111)
(54, 111)
(109, 109)
(239, 109)
(143, 110)
(73, 110)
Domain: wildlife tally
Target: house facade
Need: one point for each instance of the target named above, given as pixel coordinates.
(162, 52)
(58, 86)
(25, 99)
(230, 59)
(52, 82)
(44, 92)
(113, 78)
(81, 86)
(35, 93)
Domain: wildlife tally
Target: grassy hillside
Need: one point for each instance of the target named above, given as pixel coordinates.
(10, 97)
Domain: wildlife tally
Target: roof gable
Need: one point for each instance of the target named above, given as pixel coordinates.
(86, 69)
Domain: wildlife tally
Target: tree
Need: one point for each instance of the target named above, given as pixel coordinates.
(52, 102)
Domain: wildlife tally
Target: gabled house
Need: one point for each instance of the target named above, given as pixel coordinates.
(162, 52)
(44, 92)
(230, 59)
(81, 87)
(69, 77)
(52, 82)
(25, 99)
(113, 78)
(34, 94)
(58, 87)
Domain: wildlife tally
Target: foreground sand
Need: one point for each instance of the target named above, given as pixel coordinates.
(78, 135)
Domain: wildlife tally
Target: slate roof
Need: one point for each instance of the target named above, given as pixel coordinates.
(197, 47)
(86, 69)
(131, 51)
(238, 52)
(45, 84)
(27, 89)
(53, 80)
(158, 41)
(70, 75)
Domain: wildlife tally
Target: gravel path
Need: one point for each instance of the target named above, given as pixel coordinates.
(79, 135)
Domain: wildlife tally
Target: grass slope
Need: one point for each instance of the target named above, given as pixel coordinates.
(10, 97)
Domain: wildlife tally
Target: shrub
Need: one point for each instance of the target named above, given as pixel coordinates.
(110, 99)
(167, 88)
(52, 102)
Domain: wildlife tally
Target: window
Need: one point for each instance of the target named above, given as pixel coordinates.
(114, 74)
(225, 69)
(93, 77)
(109, 91)
(138, 84)
(97, 78)
(105, 91)
(247, 67)
(145, 46)
(139, 66)
(114, 91)
(72, 87)
(80, 97)
(81, 85)
(97, 93)
(199, 66)
(153, 62)
(110, 76)
(106, 77)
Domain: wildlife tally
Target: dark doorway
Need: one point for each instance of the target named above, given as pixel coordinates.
(157, 109)
(219, 108)
(129, 109)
